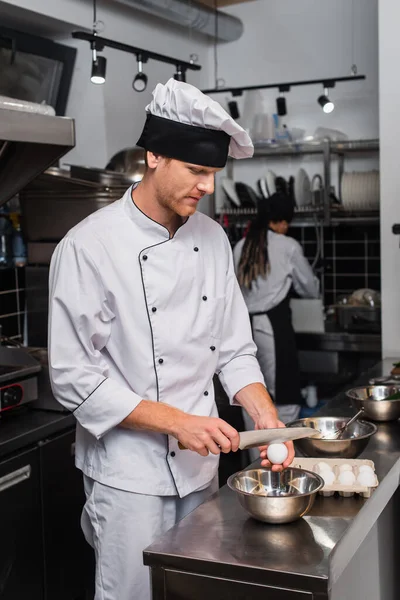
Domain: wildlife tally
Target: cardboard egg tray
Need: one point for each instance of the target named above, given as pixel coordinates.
(310, 464)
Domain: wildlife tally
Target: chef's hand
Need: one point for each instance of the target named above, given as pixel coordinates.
(270, 422)
(259, 405)
(206, 434)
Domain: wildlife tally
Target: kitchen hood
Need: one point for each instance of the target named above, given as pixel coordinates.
(30, 143)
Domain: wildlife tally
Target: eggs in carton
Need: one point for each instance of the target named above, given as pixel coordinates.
(345, 476)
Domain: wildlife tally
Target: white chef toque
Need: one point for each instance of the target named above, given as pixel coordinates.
(185, 124)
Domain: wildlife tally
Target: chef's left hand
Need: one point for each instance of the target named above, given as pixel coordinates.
(269, 422)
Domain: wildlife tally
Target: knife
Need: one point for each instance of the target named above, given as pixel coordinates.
(262, 437)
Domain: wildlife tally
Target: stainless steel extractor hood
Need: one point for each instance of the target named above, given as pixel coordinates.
(29, 144)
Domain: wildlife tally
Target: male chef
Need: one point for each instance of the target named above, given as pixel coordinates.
(144, 309)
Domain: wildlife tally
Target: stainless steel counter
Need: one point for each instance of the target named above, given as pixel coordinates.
(333, 340)
(219, 550)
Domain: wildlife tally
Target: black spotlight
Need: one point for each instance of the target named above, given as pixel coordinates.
(180, 74)
(139, 84)
(233, 109)
(326, 104)
(99, 65)
(281, 106)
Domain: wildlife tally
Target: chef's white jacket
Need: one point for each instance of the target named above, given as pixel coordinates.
(136, 315)
(288, 266)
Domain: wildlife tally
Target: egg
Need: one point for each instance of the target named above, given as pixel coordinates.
(345, 467)
(328, 476)
(347, 478)
(322, 466)
(366, 469)
(277, 453)
(366, 478)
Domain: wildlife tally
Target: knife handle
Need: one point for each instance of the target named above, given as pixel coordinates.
(181, 446)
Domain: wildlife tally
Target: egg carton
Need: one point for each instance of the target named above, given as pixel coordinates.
(310, 464)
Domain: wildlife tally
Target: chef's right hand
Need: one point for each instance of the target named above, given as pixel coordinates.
(207, 434)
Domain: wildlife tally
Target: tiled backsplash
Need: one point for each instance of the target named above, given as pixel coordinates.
(12, 302)
(351, 257)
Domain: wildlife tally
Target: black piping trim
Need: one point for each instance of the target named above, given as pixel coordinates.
(96, 388)
(234, 358)
(152, 339)
(156, 222)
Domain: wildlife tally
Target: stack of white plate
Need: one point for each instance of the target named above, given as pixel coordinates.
(360, 190)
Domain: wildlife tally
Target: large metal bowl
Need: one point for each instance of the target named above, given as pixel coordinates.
(372, 399)
(276, 497)
(352, 443)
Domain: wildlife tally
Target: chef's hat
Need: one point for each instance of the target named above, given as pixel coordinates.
(185, 124)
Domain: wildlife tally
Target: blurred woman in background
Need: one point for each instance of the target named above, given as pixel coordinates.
(269, 265)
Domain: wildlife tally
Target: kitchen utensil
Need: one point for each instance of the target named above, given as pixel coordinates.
(276, 497)
(338, 434)
(302, 189)
(375, 399)
(228, 185)
(270, 178)
(248, 197)
(130, 162)
(262, 437)
(351, 445)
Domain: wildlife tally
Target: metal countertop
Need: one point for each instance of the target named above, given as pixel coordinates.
(220, 539)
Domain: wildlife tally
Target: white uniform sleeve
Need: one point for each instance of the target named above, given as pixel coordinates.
(79, 327)
(237, 365)
(304, 281)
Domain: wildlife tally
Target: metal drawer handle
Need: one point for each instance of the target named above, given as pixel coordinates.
(15, 477)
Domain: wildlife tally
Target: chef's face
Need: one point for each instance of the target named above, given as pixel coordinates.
(180, 186)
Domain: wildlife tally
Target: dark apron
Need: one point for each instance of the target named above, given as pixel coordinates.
(287, 373)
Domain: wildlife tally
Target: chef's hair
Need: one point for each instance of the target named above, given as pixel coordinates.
(254, 260)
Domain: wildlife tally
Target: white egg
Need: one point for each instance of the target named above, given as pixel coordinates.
(328, 477)
(366, 468)
(322, 466)
(347, 478)
(277, 453)
(345, 467)
(366, 478)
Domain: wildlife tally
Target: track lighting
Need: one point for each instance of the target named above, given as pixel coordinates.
(281, 106)
(180, 74)
(99, 64)
(139, 84)
(326, 104)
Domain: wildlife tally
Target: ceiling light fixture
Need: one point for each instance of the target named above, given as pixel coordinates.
(326, 104)
(99, 65)
(238, 91)
(100, 43)
(281, 108)
(180, 74)
(139, 84)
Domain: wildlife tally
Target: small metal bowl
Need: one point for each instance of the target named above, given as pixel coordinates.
(351, 444)
(372, 399)
(276, 497)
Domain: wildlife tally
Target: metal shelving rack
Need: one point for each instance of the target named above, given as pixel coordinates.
(328, 149)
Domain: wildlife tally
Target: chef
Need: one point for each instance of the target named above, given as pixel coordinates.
(144, 309)
(269, 266)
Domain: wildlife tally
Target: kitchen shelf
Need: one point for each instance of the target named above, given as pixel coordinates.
(317, 147)
(328, 215)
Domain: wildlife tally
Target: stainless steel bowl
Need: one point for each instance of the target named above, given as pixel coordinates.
(276, 497)
(373, 399)
(352, 443)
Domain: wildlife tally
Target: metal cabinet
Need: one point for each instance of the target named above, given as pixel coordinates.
(68, 559)
(21, 551)
(178, 585)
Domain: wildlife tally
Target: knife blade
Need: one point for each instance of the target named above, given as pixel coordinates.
(262, 437)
